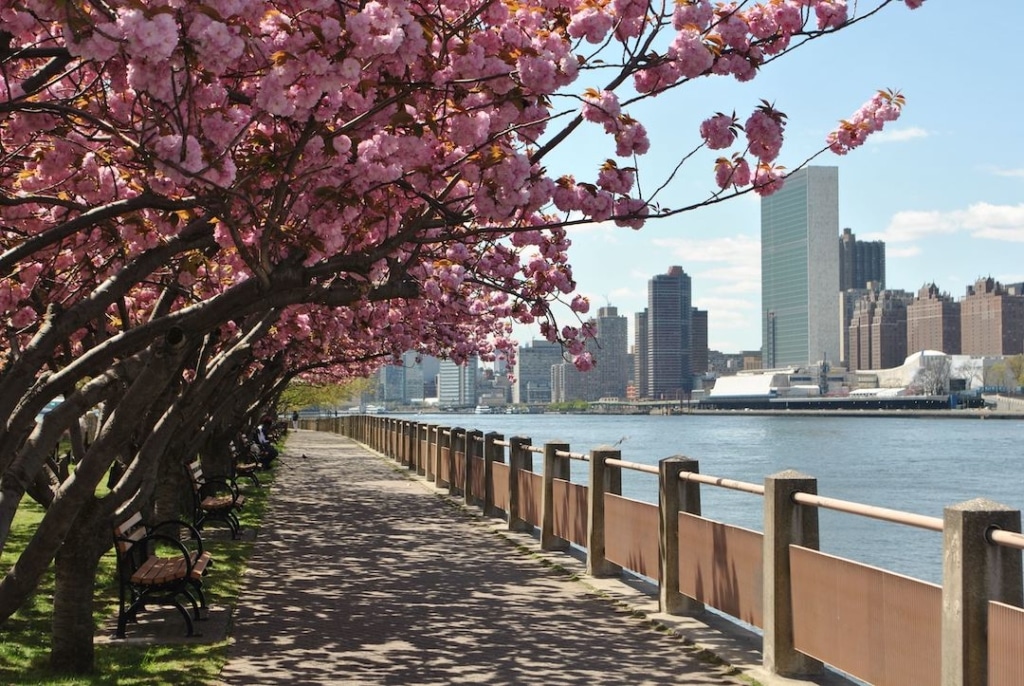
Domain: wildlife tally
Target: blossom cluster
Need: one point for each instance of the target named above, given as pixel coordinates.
(366, 144)
(884, 107)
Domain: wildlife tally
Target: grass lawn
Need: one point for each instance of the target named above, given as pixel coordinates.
(25, 637)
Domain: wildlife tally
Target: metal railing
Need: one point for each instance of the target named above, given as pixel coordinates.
(981, 542)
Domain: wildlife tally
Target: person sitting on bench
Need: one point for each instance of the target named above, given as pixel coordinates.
(267, 452)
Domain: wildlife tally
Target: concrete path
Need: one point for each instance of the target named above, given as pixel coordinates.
(363, 574)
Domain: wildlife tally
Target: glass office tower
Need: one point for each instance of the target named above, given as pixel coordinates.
(800, 270)
(669, 312)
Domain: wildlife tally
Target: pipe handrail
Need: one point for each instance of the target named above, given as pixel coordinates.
(572, 456)
(721, 482)
(635, 466)
(881, 513)
(1010, 539)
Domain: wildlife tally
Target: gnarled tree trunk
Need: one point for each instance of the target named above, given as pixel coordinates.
(75, 567)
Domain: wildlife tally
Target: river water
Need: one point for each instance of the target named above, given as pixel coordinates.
(917, 465)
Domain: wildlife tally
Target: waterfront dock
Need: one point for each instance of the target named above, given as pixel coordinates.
(363, 573)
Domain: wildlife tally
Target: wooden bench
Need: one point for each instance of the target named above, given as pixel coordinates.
(214, 499)
(156, 566)
(244, 462)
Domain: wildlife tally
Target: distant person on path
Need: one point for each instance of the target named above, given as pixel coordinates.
(295, 419)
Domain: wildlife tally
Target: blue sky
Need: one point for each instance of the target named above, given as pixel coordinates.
(943, 186)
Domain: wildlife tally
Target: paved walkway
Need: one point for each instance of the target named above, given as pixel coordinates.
(364, 574)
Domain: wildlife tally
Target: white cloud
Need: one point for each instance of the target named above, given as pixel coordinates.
(981, 220)
(1012, 173)
(995, 222)
(605, 230)
(915, 225)
(733, 278)
(899, 135)
(738, 248)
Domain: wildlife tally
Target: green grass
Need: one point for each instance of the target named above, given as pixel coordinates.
(25, 637)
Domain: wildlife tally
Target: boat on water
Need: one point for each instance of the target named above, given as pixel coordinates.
(482, 409)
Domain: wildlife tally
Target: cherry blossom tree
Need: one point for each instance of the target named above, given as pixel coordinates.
(199, 196)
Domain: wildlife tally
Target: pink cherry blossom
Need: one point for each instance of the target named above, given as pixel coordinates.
(591, 24)
(767, 179)
(719, 131)
(884, 106)
(764, 130)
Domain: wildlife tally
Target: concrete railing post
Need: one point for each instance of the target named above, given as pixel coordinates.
(474, 449)
(401, 427)
(395, 440)
(555, 467)
(674, 496)
(974, 571)
(785, 523)
(456, 442)
(492, 453)
(407, 443)
(601, 482)
(519, 460)
(414, 447)
(403, 442)
(430, 458)
(444, 442)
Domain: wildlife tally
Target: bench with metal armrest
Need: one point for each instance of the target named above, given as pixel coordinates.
(214, 499)
(157, 565)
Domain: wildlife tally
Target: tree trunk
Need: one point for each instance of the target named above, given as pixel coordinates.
(71, 649)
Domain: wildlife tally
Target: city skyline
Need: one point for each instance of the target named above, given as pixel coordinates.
(942, 186)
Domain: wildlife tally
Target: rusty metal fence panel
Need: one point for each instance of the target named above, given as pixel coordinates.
(570, 521)
(631, 534)
(443, 468)
(459, 477)
(878, 626)
(476, 478)
(1005, 637)
(499, 476)
(722, 566)
(530, 486)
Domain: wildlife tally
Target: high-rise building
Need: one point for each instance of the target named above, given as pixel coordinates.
(391, 385)
(878, 330)
(610, 374)
(533, 372)
(860, 262)
(640, 355)
(414, 377)
(612, 353)
(933, 322)
(456, 384)
(991, 320)
(800, 269)
(699, 342)
(669, 330)
(847, 303)
(570, 384)
(411, 381)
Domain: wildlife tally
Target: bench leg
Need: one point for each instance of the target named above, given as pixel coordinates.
(186, 615)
